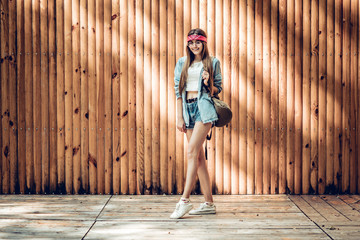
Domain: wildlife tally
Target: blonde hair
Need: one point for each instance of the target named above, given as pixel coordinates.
(206, 59)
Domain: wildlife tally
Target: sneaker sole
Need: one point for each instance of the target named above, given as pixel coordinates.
(202, 213)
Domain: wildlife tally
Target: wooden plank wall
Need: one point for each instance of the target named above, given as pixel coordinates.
(88, 103)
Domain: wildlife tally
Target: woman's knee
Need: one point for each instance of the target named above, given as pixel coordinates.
(192, 152)
(201, 160)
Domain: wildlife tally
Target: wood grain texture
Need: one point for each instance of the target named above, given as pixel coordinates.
(345, 83)
(314, 97)
(132, 96)
(44, 82)
(235, 70)
(171, 120)
(28, 99)
(259, 97)
(322, 97)
(338, 97)
(52, 96)
(266, 97)
(274, 97)
(282, 94)
(290, 96)
(84, 95)
(68, 96)
(219, 132)
(330, 70)
(12, 101)
(354, 85)
(226, 94)
(163, 100)
(124, 94)
(250, 98)
(5, 98)
(20, 57)
(139, 96)
(36, 49)
(155, 87)
(147, 98)
(100, 96)
(115, 76)
(306, 98)
(76, 74)
(92, 157)
(298, 96)
(108, 96)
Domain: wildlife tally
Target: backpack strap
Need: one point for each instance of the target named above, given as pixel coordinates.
(206, 158)
(208, 137)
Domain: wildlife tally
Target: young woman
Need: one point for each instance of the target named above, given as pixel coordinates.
(197, 76)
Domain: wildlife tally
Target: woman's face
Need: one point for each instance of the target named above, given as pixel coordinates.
(196, 47)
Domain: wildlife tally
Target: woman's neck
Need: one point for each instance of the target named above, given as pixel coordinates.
(197, 58)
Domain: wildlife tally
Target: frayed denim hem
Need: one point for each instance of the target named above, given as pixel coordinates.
(212, 121)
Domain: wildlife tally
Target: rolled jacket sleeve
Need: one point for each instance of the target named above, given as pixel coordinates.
(217, 75)
(177, 74)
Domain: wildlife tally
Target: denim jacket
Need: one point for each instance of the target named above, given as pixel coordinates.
(205, 104)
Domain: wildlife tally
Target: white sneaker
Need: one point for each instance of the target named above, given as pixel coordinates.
(181, 209)
(204, 209)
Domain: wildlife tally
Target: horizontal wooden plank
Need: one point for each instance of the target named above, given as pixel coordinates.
(342, 207)
(43, 229)
(307, 209)
(230, 210)
(211, 231)
(352, 200)
(51, 207)
(349, 224)
(216, 197)
(224, 223)
(328, 212)
(216, 237)
(44, 198)
(196, 204)
(165, 216)
(200, 198)
(91, 216)
(351, 232)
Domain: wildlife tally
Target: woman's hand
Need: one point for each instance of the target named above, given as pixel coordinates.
(205, 76)
(181, 125)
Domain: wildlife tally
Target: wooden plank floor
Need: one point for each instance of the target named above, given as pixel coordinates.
(147, 217)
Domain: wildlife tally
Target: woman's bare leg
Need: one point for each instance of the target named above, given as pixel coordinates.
(204, 177)
(202, 172)
(197, 138)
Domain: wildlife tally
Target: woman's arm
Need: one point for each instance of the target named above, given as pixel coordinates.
(205, 77)
(180, 124)
(217, 77)
(217, 86)
(215, 91)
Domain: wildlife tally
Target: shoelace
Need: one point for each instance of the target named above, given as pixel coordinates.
(203, 205)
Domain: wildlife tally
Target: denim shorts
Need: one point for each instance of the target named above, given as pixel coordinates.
(194, 114)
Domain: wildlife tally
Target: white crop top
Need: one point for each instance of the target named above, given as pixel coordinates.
(192, 81)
